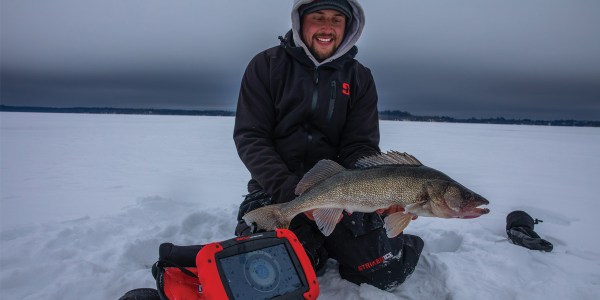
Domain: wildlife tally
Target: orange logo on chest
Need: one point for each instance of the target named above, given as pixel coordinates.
(346, 88)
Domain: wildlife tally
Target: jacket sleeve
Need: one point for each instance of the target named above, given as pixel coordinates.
(253, 133)
(360, 136)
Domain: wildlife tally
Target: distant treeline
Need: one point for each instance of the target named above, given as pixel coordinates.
(396, 115)
(109, 110)
(383, 115)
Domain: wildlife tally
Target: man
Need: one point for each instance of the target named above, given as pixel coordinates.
(305, 100)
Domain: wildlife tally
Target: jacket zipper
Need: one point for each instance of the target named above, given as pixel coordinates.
(313, 108)
(315, 94)
(331, 101)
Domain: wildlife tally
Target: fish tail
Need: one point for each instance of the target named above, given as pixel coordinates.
(268, 218)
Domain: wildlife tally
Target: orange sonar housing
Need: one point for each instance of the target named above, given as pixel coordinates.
(263, 265)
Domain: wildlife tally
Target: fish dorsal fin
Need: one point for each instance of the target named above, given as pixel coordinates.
(388, 158)
(322, 170)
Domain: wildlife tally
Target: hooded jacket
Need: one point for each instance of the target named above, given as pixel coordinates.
(293, 111)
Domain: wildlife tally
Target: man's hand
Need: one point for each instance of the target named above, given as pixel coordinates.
(393, 209)
(309, 214)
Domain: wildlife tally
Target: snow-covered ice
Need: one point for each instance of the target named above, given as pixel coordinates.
(87, 199)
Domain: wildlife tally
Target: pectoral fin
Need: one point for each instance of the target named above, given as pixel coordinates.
(396, 222)
(327, 218)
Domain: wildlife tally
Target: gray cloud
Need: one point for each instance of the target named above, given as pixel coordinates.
(536, 59)
(126, 89)
(434, 90)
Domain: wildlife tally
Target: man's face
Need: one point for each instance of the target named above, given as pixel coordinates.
(323, 32)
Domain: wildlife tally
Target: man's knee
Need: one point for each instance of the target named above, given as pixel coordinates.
(389, 270)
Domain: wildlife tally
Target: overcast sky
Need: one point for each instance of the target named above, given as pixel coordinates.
(537, 59)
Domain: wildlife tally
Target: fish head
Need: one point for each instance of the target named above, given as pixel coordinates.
(449, 199)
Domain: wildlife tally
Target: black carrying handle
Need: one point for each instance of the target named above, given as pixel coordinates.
(180, 257)
(183, 256)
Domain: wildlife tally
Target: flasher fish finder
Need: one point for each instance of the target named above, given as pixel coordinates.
(266, 265)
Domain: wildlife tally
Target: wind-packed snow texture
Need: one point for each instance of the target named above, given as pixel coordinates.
(87, 199)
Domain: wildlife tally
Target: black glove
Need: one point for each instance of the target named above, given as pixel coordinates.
(253, 201)
(519, 228)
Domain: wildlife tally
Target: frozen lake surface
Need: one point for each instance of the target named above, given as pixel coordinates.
(87, 199)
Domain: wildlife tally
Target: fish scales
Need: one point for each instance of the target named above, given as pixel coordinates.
(363, 189)
(383, 181)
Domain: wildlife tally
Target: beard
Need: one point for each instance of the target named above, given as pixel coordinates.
(321, 53)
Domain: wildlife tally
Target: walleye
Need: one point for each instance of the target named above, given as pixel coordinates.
(380, 181)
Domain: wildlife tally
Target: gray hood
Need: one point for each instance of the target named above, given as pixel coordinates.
(351, 36)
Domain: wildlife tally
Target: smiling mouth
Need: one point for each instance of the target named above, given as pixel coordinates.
(324, 40)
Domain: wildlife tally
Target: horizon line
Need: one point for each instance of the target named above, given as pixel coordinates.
(393, 115)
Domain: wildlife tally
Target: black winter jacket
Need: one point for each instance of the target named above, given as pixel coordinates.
(291, 115)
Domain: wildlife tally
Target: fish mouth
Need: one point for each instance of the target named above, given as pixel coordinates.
(474, 213)
(473, 210)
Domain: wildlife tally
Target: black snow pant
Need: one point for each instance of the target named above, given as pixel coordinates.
(359, 244)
